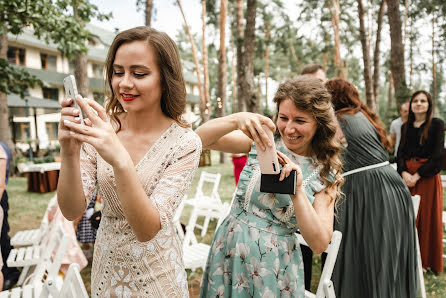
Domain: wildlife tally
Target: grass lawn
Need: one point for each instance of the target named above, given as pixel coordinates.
(26, 211)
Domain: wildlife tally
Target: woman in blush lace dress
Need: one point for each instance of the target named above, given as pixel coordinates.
(143, 158)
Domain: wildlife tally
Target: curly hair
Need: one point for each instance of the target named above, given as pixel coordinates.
(346, 100)
(173, 98)
(310, 96)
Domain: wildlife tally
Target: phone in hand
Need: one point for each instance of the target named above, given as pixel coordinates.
(69, 84)
(270, 170)
(268, 161)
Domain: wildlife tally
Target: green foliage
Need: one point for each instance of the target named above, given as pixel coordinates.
(15, 79)
(51, 21)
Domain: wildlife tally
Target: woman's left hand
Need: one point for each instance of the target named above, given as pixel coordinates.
(287, 167)
(97, 132)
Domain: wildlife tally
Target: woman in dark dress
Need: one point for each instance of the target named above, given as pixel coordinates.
(377, 257)
(419, 162)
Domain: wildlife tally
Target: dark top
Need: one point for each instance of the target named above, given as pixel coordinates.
(431, 149)
(8, 153)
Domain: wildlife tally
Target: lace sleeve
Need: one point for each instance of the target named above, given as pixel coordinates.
(176, 179)
(88, 163)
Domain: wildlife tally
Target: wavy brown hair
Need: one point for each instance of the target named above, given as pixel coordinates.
(310, 96)
(173, 97)
(346, 100)
(411, 118)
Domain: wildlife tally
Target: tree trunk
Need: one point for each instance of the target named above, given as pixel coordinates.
(434, 71)
(366, 58)
(406, 15)
(397, 52)
(339, 64)
(204, 109)
(266, 63)
(411, 58)
(149, 7)
(233, 75)
(5, 132)
(248, 84)
(240, 59)
(377, 52)
(389, 95)
(205, 55)
(221, 92)
(80, 64)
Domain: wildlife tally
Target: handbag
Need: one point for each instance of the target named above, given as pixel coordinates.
(95, 219)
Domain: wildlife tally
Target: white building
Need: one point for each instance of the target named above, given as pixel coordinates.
(37, 116)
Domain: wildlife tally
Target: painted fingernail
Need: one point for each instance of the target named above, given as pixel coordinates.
(77, 118)
(75, 111)
(67, 122)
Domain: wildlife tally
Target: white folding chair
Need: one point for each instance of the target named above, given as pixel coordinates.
(72, 287)
(30, 256)
(421, 287)
(194, 253)
(202, 199)
(444, 226)
(34, 236)
(45, 270)
(325, 287)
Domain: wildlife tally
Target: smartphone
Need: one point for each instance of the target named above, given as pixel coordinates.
(69, 84)
(268, 161)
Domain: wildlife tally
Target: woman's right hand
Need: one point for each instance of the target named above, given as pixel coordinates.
(408, 179)
(69, 144)
(251, 125)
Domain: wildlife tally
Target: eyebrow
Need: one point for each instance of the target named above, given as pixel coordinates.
(299, 117)
(132, 66)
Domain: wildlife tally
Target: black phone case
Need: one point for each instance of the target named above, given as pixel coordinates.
(270, 183)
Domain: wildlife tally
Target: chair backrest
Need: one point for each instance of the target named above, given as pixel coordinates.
(52, 256)
(208, 178)
(73, 286)
(189, 237)
(416, 199)
(444, 220)
(332, 254)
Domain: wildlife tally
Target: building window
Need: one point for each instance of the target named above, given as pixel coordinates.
(51, 93)
(22, 131)
(99, 97)
(98, 71)
(71, 66)
(52, 130)
(16, 55)
(48, 61)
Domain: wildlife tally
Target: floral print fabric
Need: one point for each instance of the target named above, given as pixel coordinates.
(255, 252)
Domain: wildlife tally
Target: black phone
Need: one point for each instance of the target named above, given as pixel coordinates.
(270, 183)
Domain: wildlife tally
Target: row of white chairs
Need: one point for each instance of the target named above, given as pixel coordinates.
(40, 256)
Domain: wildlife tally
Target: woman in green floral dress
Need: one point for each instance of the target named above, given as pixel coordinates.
(255, 252)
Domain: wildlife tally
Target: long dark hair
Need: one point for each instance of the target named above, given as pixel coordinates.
(411, 118)
(173, 97)
(346, 100)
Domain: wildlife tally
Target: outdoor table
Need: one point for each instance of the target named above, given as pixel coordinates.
(42, 177)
